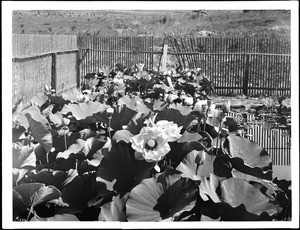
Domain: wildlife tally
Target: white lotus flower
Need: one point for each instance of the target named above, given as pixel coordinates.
(152, 141)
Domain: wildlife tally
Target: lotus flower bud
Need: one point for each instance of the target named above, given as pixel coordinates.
(110, 111)
(65, 121)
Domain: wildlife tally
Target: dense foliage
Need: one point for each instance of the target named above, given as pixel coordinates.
(135, 145)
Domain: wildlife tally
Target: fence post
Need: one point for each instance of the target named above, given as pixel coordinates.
(246, 75)
(164, 58)
(53, 70)
(77, 69)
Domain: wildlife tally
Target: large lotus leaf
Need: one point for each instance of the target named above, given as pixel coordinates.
(252, 154)
(71, 95)
(55, 178)
(39, 99)
(183, 109)
(56, 118)
(92, 145)
(113, 211)
(23, 156)
(78, 192)
(73, 149)
(267, 187)
(119, 171)
(40, 129)
(208, 188)
(168, 177)
(121, 116)
(224, 212)
(27, 192)
(58, 100)
(176, 116)
(134, 103)
(179, 150)
(59, 140)
(142, 199)
(196, 164)
(18, 204)
(57, 217)
(88, 165)
(236, 191)
(45, 194)
(82, 111)
(238, 164)
(188, 137)
(136, 124)
(179, 197)
(122, 135)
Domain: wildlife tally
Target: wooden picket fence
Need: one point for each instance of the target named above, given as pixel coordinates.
(99, 51)
(250, 66)
(43, 59)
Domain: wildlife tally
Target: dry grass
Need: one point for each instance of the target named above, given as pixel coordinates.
(234, 23)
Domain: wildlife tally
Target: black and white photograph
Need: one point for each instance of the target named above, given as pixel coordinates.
(139, 114)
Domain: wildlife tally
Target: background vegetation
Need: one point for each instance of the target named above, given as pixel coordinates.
(221, 23)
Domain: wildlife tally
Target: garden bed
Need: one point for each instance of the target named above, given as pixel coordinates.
(136, 146)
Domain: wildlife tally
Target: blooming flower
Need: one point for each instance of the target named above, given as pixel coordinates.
(152, 141)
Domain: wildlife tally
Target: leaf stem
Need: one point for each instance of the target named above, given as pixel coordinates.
(65, 138)
(109, 128)
(30, 139)
(219, 131)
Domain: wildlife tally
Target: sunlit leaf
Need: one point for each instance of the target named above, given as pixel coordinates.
(196, 164)
(23, 156)
(122, 135)
(45, 194)
(179, 197)
(40, 129)
(83, 110)
(39, 99)
(236, 191)
(142, 200)
(252, 154)
(208, 188)
(183, 109)
(113, 211)
(176, 116)
(74, 148)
